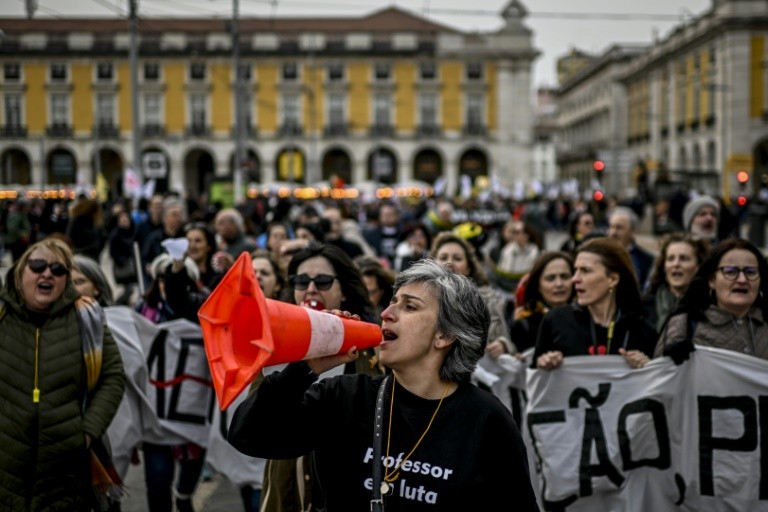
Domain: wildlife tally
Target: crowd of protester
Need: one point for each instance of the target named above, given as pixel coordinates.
(346, 255)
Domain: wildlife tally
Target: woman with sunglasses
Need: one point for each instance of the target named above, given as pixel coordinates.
(444, 444)
(323, 277)
(46, 426)
(725, 306)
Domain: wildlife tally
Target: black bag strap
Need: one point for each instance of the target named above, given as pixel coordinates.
(377, 503)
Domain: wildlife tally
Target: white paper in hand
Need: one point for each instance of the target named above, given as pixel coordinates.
(176, 247)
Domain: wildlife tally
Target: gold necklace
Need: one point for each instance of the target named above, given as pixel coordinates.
(391, 476)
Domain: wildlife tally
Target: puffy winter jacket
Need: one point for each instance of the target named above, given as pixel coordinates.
(44, 464)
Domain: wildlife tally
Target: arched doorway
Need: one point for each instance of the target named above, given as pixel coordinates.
(109, 162)
(251, 166)
(473, 163)
(291, 163)
(61, 167)
(337, 166)
(15, 167)
(427, 166)
(382, 166)
(199, 171)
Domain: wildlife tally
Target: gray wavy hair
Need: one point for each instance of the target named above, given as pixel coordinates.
(462, 314)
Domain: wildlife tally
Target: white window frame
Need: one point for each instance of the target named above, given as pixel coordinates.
(192, 103)
(376, 78)
(331, 67)
(20, 79)
(64, 80)
(149, 114)
(382, 102)
(6, 121)
(434, 97)
(293, 80)
(96, 77)
(67, 108)
(336, 104)
(112, 119)
(159, 72)
(295, 99)
(468, 109)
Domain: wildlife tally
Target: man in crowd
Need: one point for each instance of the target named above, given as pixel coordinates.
(622, 226)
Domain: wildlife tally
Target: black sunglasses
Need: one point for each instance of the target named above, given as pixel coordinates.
(39, 266)
(323, 282)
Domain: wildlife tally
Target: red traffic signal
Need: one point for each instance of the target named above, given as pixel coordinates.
(598, 195)
(598, 165)
(742, 200)
(742, 177)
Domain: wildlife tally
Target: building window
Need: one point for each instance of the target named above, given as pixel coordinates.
(105, 110)
(59, 109)
(381, 114)
(153, 109)
(474, 71)
(335, 72)
(291, 110)
(197, 71)
(290, 72)
(104, 72)
(11, 72)
(245, 72)
(474, 113)
(428, 71)
(382, 72)
(151, 71)
(247, 116)
(12, 109)
(197, 110)
(336, 109)
(58, 72)
(428, 109)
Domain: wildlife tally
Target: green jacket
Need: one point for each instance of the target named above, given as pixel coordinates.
(44, 463)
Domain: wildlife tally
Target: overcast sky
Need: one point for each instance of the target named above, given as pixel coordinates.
(558, 25)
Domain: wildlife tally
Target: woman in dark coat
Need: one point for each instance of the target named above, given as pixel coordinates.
(607, 317)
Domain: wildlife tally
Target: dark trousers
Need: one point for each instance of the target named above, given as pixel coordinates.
(159, 469)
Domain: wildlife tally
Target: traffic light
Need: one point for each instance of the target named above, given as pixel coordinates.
(598, 166)
(743, 178)
(598, 195)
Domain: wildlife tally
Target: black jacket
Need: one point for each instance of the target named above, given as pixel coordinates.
(569, 328)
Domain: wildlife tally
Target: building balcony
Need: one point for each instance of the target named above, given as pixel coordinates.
(475, 129)
(382, 130)
(153, 130)
(248, 130)
(13, 131)
(428, 130)
(59, 130)
(106, 131)
(198, 130)
(336, 130)
(290, 129)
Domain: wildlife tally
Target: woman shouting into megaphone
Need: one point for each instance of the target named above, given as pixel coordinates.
(420, 438)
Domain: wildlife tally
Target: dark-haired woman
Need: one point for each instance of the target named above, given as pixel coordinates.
(549, 285)
(607, 317)
(725, 306)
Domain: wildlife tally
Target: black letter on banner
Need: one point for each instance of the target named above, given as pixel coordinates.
(536, 418)
(594, 433)
(663, 461)
(708, 444)
(157, 352)
(173, 412)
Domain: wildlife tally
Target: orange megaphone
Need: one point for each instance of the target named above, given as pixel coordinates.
(243, 332)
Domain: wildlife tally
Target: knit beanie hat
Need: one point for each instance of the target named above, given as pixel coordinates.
(694, 205)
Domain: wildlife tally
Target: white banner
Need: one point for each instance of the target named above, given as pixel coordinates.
(661, 438)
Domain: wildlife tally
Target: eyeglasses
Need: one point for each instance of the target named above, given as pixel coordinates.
(39, 266)
(732, 273)
(323, 282)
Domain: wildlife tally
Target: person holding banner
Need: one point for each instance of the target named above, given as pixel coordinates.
(549, 285)
(724, 307)
(607, 317)
(674, 269)
(51, 360)
(441, 443)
